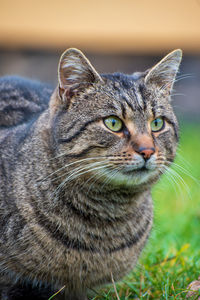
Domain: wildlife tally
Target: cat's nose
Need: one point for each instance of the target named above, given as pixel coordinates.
(146, 152)
(143, 144)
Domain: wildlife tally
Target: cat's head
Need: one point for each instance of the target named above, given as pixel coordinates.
(115, 129)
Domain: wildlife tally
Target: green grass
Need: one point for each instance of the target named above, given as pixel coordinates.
(171, 259)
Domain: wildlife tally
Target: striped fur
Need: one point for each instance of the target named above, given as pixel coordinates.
(75, 201)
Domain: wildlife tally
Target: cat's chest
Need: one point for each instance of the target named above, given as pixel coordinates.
(95, 265)
(90, 257)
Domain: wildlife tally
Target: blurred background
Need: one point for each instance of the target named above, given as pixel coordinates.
(116, 35)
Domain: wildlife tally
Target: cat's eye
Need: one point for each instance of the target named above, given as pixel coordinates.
(157, 124)
(113, 123)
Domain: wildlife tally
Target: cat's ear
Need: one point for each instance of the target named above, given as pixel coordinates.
(164, 73)
(75, 73)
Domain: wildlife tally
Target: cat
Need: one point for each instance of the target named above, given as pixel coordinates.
(76, 169)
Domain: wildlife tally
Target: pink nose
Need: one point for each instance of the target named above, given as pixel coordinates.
(146, 152)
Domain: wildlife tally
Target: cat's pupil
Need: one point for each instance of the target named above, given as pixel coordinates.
(113, 122)
(156, 122)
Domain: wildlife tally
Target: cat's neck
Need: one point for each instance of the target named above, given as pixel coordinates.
(110, 205)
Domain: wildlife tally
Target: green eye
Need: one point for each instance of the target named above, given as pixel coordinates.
(157, 124)
(113, 123)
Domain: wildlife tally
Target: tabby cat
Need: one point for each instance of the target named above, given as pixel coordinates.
(76, 174)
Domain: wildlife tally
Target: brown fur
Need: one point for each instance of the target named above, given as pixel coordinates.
(75, 199)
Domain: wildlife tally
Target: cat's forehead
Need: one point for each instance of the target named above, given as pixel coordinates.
(133, 96)
(120, 81)
(125, 88)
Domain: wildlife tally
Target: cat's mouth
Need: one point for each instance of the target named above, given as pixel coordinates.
(138, 173)
(131, 175)
(141, 168)
(133, 170)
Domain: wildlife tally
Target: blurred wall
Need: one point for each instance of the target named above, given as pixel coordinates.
(105, 25)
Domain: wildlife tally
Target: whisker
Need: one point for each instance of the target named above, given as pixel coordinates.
(186, 172)
(172, 179)
(180, 156)
(90, 170)
(98, 176)
(178, 94)
(185, 76)
(78, 174)
(108, 180)
(181, 180)
(76, 170)
(71, 164)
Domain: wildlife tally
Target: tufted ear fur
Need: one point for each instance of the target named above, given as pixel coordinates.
(75, 73)
(164, 73)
